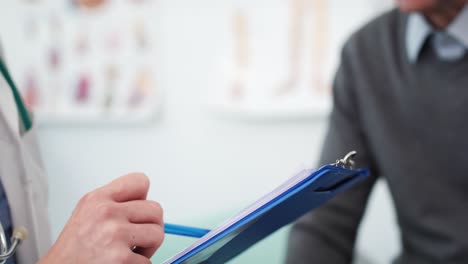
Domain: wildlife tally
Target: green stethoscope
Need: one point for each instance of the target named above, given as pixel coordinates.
(27, 122)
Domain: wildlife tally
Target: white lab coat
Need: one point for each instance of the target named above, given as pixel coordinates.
(25, 183)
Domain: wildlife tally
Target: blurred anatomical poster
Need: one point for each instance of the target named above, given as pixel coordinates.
(90, 60)
(282, 55)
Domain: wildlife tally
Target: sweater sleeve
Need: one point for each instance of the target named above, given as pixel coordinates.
(327, 235)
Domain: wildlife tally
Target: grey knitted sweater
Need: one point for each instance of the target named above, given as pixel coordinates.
(409, 124)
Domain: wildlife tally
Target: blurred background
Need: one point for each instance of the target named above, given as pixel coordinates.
(216, 101)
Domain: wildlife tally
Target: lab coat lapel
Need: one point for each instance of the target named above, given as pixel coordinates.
(37, 193)
(23, 178)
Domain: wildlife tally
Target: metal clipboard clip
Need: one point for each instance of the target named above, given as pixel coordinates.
(347, 162)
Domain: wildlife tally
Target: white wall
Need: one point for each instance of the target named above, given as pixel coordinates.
(190, 153)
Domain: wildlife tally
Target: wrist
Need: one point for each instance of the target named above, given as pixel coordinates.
(55, 256)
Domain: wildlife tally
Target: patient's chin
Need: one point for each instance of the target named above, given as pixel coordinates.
(416, 5)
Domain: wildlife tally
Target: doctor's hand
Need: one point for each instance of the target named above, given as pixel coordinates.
(113, 224)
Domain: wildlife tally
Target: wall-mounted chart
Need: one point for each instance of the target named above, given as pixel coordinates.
(282, 56)
(90, 61)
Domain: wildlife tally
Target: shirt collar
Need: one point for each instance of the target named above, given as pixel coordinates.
(418, 29)
(459, 27)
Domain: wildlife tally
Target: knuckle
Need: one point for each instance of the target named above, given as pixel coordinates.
(106, 211)
(115, 232)
(88, 198)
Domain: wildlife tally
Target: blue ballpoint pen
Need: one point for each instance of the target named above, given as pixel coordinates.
(185, 230)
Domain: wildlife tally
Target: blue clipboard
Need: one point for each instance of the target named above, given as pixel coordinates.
(310, 190)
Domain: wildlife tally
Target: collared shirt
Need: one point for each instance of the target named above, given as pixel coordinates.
(450, 44)
(408, 124)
